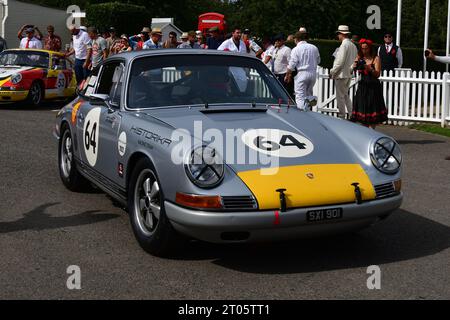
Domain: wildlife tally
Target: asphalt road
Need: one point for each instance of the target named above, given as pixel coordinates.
(44, 228)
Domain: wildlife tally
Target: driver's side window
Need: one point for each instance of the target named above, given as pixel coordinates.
(110, 82)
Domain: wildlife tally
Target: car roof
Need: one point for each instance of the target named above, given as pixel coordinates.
(164, 52)
(37, 50)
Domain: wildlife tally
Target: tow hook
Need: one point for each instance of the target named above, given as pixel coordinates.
(357, 193)
(283, 206)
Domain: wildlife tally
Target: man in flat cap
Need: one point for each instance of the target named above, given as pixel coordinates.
(305, 58)
(215, 40)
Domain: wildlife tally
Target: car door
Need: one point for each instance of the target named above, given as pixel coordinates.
(98, 131)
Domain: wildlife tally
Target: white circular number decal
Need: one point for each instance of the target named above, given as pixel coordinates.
(90, 135)
(61, 81)
(122, 144)
(278, 143)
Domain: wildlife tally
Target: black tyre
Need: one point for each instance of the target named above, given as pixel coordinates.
(150, 224)
(68, 172)
(35, 95)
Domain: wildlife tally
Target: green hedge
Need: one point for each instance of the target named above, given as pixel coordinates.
(126, 18)
(413, 57)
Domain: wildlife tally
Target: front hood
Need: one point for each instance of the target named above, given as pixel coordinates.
(8, 71)
(321, 145)
(315, 165)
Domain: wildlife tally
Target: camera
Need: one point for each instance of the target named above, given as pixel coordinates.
(361, 65)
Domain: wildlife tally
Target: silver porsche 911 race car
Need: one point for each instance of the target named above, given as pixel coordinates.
(207, 145)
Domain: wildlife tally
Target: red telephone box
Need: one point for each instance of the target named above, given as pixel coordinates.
(211, 19)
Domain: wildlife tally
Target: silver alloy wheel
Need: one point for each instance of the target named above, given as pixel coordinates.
(36, 93)
(147, 202)
(66, 154)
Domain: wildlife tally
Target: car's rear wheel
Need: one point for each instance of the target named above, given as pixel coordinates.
(150, 224)
(68, 172)
(35, 94)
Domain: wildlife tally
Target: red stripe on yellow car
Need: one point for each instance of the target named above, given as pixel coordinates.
(308, 185)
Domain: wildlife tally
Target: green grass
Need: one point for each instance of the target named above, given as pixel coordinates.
(431, 128)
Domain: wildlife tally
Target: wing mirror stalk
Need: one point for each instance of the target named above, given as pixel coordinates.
(102, 100)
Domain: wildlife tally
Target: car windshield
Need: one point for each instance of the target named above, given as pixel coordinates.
(176, 80)
(24, 58)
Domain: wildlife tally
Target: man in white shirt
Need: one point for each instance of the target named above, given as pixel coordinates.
(343, 69)
(266, 56)
(30, 41)
(234, 44)
(391, 56)
(281, 56)
(82, 49)
(305, 58)
(252, 47)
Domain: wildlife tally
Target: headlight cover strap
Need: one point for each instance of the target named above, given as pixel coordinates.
(386, 155)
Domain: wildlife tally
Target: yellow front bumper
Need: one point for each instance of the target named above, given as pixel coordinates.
(13, 96)
(308, 185)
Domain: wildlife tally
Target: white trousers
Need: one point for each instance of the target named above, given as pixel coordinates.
(303, 86)
(342, 97)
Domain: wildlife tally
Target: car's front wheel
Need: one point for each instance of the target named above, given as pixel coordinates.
(68, 172)
(150, 224)
(35, 94)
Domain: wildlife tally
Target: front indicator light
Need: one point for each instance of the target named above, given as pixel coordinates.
(199, 202)
(398, 186)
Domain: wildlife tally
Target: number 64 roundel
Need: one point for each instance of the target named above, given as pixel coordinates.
(91, 135)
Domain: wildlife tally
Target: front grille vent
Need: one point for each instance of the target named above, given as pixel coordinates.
(239, 203)
(385, 190)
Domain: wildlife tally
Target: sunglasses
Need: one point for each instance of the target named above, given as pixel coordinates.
(387, 37)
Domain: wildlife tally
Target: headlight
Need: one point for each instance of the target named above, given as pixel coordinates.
(16, 78)
(204, 167)
(386, 156)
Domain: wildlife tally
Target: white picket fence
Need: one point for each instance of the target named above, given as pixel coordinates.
(409, 96)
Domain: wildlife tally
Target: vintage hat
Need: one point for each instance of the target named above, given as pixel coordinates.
(157, 31)
(184, 35)
(28, 30)
(343, 29)
(146, 30)
(112, 29)
(303, 30)
(278, 37)
(246, 31)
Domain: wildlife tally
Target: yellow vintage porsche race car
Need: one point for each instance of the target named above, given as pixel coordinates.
(34, 76)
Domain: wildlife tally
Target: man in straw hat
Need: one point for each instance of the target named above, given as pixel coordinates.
(153, 42)
(342, 70)
(305, 58)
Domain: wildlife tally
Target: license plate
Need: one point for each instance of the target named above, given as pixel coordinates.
(325, 215)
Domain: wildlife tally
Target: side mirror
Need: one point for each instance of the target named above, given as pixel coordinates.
(97, 99)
